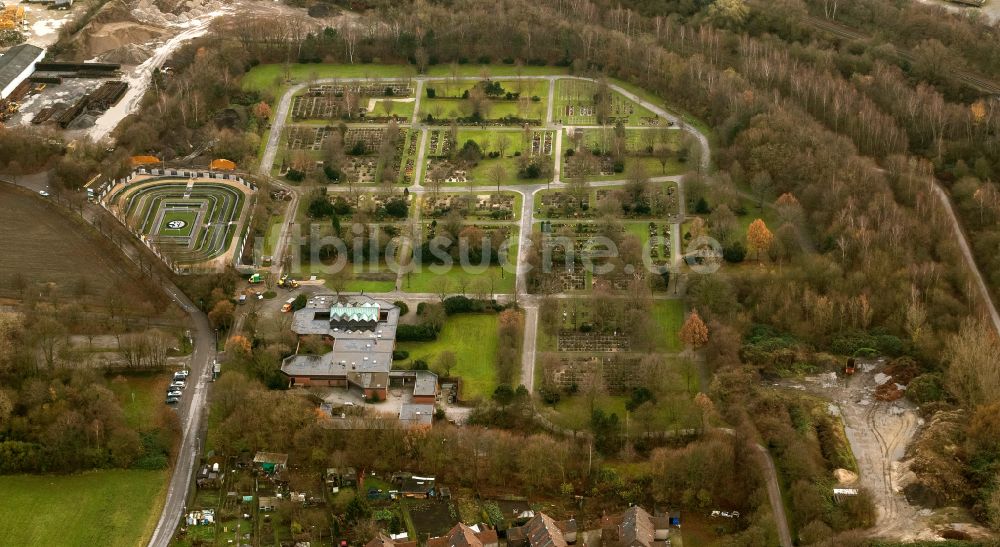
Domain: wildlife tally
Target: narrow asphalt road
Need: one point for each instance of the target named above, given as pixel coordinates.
(191, 409)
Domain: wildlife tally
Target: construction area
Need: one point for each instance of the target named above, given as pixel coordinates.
(882, 426)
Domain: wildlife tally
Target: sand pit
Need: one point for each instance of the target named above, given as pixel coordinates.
(122, 34)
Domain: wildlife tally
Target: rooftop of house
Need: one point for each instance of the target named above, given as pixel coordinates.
(355, 356)
(463, 535)
(383, 540)
(416, 414)
(425, 383)
(540, 531)
(634, 527)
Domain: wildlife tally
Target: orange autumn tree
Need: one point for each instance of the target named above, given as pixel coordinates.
(759, 238)
(694, 332)
(262, 110)
(238, 345)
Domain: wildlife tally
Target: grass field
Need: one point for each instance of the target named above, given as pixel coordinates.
(398, 108)
(494, 279)
(427, 281)
(498, 109)
(576, 94)
(108, 508)
(473, 339)
(140, 395)
(371, 285)
(187, 217)
(262, 77)
(669, 315)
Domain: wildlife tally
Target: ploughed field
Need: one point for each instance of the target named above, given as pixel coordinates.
(45, 244)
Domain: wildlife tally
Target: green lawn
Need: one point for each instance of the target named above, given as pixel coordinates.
(263, 77)
(640, 229)
(473, 339)
(574, 412)
(141, 396)
(637, 143)
(498, 109)
(371, 285)
(381, 280)
(114, 508)
(494, 279)
(493, 71)
(669, 315)
(674, 407)
(399, 108)
(688, 118)
(578, 94)
(427, 281)
(274, 223)
(186, 218)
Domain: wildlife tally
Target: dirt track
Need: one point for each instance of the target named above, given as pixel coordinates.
(879, 433)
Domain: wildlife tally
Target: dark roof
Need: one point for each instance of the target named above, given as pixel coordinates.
(15, 61)
(540, 531)
(463, 535)
(633, 528)
(383, 540)
(636, 527)
(416, 485)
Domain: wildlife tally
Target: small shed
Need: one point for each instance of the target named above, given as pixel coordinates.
(204, 517)
(417, 487)
(270, 462)
(344, 477)
(266, 503)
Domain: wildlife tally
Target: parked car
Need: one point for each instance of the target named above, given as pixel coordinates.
(175, 393)
(173, 400)
(180, 375)
(43, 193)
(179, 384)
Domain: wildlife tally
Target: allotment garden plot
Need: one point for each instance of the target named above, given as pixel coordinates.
(618, 356)
(194, 224)
(360, 154)
(584, 102)
(355, 101)
(474, 155)
(496, 102)
(610, 152)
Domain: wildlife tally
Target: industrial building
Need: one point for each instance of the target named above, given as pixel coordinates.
(17, 65)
